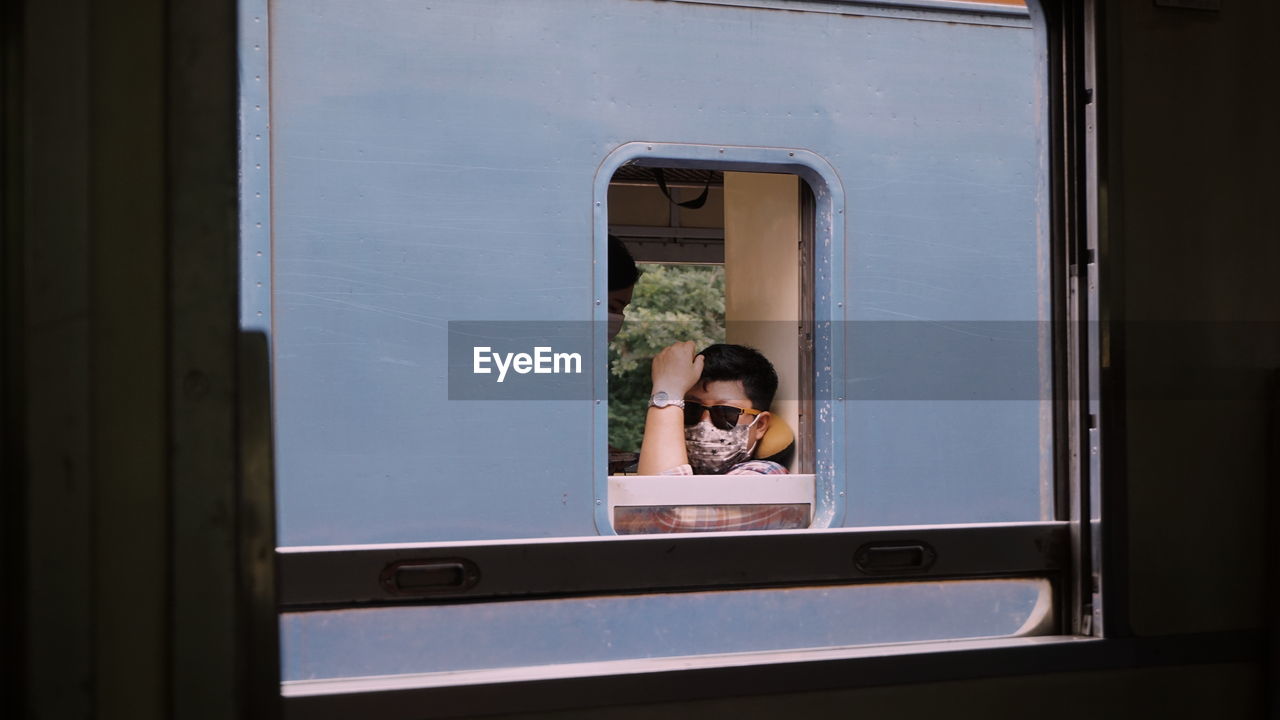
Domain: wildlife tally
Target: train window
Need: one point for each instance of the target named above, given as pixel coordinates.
(729, 256)
(429, 193)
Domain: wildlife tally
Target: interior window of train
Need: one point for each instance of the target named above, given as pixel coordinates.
(723, 261)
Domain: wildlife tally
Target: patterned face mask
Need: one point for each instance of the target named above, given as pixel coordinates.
(713, 451)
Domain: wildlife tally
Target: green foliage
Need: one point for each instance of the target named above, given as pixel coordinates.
(672, 303)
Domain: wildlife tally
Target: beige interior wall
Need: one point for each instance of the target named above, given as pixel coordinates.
(710, 215)
(635, 205)
(762, 276)
(631, 205)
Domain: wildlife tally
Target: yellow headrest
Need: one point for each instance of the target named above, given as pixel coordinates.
(776, 438)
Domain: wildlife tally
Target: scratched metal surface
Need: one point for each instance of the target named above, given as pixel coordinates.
(434, 162)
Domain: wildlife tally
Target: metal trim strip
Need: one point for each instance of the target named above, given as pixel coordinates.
(973, 12)
(324, 578)
(688, 679)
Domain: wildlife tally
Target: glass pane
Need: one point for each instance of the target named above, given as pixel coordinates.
(351, 643)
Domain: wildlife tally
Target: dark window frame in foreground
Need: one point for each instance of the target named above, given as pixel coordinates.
(1066, 550)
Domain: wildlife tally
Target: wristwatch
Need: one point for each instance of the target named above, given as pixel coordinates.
(661, 399)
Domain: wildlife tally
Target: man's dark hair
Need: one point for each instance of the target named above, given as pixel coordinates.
(622, 267)
(739, 362)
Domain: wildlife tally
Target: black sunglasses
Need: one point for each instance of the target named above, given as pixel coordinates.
(722, 416)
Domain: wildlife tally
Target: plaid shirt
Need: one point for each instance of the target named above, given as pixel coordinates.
(750, 467)
(713, 518)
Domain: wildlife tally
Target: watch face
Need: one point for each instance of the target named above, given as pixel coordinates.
(660, 399)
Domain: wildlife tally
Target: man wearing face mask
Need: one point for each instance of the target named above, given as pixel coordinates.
(708, 412)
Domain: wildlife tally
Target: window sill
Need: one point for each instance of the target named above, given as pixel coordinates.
(626, 682)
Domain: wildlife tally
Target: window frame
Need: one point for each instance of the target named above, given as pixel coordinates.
(827, 209)
(1068, 550)
(331, 577)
